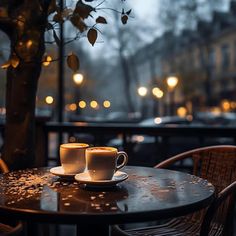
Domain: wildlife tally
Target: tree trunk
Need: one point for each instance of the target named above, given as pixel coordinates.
(19, 145)
(27, 21)
(127, 83)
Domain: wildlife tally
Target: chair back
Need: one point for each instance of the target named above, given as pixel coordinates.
(13, 228)
(217, 164)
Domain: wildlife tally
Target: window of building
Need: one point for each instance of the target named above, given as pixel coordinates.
(234, 52)
(225, 56)
(212, 58)
(201, 59)
(212, 62)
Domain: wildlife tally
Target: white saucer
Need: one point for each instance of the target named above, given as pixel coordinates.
(59, 171)
(84, 178)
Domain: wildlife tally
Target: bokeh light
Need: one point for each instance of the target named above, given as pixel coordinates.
(78, 78)
(47, 60)
(73, 107)
(49, 100)
(172, 81)
(106, 104)
(225, 105)
(182, 111)
(94, 104)
(157, 92)
(142, 91)
(157, 120)
(82, 104)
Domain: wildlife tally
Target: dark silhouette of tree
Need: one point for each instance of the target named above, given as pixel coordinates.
(25, 22)
(121, 49)
(125, 40)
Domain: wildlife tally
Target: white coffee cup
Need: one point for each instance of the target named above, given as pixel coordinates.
(101, 162)
(72, 157)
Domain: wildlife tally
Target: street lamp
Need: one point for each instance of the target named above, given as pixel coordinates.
(49, 100)
(82, 104)
(78, 78)
(94, 104)
(157, 93)
(107, 104)
(172, 82)
(142, 91)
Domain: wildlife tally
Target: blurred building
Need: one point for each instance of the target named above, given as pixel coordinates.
(203, 59)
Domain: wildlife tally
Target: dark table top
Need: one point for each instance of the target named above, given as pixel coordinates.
(148, 194)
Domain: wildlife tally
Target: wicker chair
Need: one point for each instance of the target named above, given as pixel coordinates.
(217, 164)
(9, 227)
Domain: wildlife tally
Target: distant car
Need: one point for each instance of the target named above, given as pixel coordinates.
(88, 119)
(164, 120)
(123, 117)
(147, 149)
(216, 119)
(171, 121)
(150, 149)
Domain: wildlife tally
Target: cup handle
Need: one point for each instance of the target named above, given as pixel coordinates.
(125, 157)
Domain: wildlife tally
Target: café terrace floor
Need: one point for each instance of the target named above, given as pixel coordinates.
(62, 230)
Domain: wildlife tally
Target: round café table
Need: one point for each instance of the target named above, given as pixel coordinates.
(148, 194)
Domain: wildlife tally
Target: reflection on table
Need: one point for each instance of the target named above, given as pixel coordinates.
(148, 194)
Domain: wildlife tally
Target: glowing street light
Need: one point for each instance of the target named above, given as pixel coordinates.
(72, 107)
(157, 92)
(182, 111)
(106, 104)
(172, 82)
(78, 78)
(142, 91)
(49, 100)
(82, 104)
(94, 104)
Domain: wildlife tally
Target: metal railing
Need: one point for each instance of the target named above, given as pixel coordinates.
(145, 145)
(161, 143)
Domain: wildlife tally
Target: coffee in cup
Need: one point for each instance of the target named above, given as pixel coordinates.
(72, 157)
(102, 162)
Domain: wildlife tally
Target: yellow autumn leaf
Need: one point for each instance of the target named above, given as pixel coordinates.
(5, 65)
(14, 61)
(47, 60)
